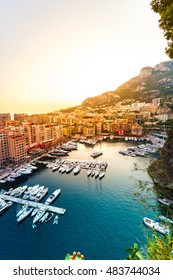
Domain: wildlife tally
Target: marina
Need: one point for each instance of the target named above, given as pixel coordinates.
(98, 206)
(33, 204)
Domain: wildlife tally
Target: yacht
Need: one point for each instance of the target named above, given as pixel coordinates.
(34, 212)
(63, 170)
(2, 181)
(76, 170)
(55, 167)
(97, 174)
(18, 191)
(24, 171)
(9, 179)
(24, 207)
(52, 197)
(49, 217)
(41, 194)
(55, 221)
(101, 174)
(89, 172)
(156, 226)
(165, 201)
(25, 213)
(96, 154)
(44, 217)
(30, 166)
(69, 169)
(15, 175)
(39, 215)
(4, 205)
(165, 219)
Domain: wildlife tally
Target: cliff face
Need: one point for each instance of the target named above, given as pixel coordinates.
(161, 170)
(151, 83)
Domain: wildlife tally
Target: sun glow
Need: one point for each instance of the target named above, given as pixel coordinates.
(62, 54)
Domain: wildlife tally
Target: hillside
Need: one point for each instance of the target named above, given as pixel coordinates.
(161, 170)
(151, 83)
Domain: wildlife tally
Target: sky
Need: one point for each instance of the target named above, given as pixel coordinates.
(56, 53)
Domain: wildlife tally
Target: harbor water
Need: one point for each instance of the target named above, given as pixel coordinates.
(102, 218)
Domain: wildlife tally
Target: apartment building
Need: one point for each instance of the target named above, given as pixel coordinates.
(17, 148)
(3, 146)
(5, 117)
(89, 131)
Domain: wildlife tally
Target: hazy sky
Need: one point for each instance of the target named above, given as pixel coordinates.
(56, 53)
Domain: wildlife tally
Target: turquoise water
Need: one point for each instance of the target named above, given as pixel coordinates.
(101, 221)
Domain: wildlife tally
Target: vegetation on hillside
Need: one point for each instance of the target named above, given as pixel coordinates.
(161, 170)
(165, 9)
(159, 84)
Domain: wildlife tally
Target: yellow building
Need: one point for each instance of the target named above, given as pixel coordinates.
(89, 131)
(17, 148)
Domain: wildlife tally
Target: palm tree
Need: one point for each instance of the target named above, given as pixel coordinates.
(134, 253)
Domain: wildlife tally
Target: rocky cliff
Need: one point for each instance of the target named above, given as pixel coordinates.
(151, 83)
(161, 170)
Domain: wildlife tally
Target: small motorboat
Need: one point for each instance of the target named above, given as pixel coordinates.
(55, 221)
(155, 225)
(165, 201)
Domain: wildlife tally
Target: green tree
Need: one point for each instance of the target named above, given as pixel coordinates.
(165, 9)
(134, 253)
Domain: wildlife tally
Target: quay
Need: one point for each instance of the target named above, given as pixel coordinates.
(42, 206)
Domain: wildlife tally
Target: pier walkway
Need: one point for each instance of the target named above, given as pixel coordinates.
(33, 204)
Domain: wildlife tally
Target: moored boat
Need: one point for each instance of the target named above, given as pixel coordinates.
(55, 221)
(25, 213)
(165, 201)
(52, 196)
(39, 215)
(4, 205)
(89, 172)
(155, 225)
(101, 174)
(96, 154)
(76, 170)
(49, 217)
(44, 217)
(55, 167)
(2, 181)
(165, 219)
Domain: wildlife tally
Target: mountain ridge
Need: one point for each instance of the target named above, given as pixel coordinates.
(152, 82)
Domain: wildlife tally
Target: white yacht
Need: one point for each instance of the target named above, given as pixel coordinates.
(2, 181)
(52, 197)
(39, 215)
(89, 172)
(55, 221)
(34, 212)
(39, 196)
(18, 191)
(76, 170)
(4, 205)
(97, 174)
(69, 169)
(25, 213)
(96, 154)
(101, 174)
(156, 226)
(44, 217)
(55, 167)
(30, 166)
(25, 171)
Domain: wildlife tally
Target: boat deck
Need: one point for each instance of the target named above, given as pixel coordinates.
(50, 208)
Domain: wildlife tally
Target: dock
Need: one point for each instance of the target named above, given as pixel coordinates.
(42, 206)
